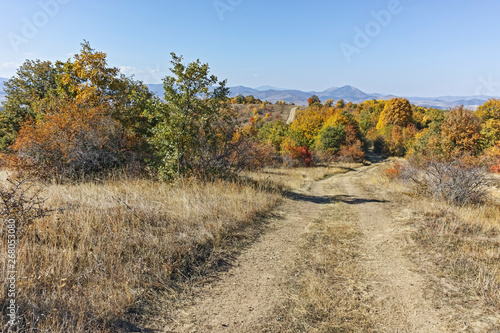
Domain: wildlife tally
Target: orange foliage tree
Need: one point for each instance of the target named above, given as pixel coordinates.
(72, 138)
(461, 132)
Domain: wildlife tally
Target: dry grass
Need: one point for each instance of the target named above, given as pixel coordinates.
(326, 291)
(463, 242)
(117, 243)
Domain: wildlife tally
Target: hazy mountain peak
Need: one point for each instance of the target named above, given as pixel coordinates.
(347, 92)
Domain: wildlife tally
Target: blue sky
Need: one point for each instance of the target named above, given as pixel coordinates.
(402, 47)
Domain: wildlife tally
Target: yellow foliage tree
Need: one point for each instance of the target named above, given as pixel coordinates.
(397, 112)
(489, 110)
(307, 125)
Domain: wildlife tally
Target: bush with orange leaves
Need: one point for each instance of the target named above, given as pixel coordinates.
(394, 172)
(298, 156)
(352, 151)
(492, 158)
(72, 139)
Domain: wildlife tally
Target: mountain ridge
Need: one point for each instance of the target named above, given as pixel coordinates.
(347, 92)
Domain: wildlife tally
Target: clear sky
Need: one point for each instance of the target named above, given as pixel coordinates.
(405, 47)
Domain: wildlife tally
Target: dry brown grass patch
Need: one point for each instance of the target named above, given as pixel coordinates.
(463, 243)
(117, 243)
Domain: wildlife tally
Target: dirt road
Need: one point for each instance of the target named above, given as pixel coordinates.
(246, 294)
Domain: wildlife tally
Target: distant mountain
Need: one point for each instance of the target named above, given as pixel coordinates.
(347, 93)
(353, 94)
(263, 88)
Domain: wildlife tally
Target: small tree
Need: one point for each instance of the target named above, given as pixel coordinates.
(313, 100)
(333, 137)
(195, 130)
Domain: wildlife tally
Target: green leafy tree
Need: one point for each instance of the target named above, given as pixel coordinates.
(333, 137)
(195, 130)
(240, 99)
(273, 132)
(33, 82)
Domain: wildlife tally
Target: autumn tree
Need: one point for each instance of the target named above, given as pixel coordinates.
(353, 148)
(313, 100)
(72, 139)
(461, 132)
(90, 78)
(87, 78)
(81, 116)
(306, 126)
(490, 133)
(329, 103)
(397, 111)
(489, 110)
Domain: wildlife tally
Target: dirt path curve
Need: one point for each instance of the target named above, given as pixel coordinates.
(249, 291)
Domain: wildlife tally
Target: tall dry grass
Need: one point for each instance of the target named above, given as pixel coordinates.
(463, 243)
(97, 263)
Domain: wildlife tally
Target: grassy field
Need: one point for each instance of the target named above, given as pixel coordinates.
(116, 244)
